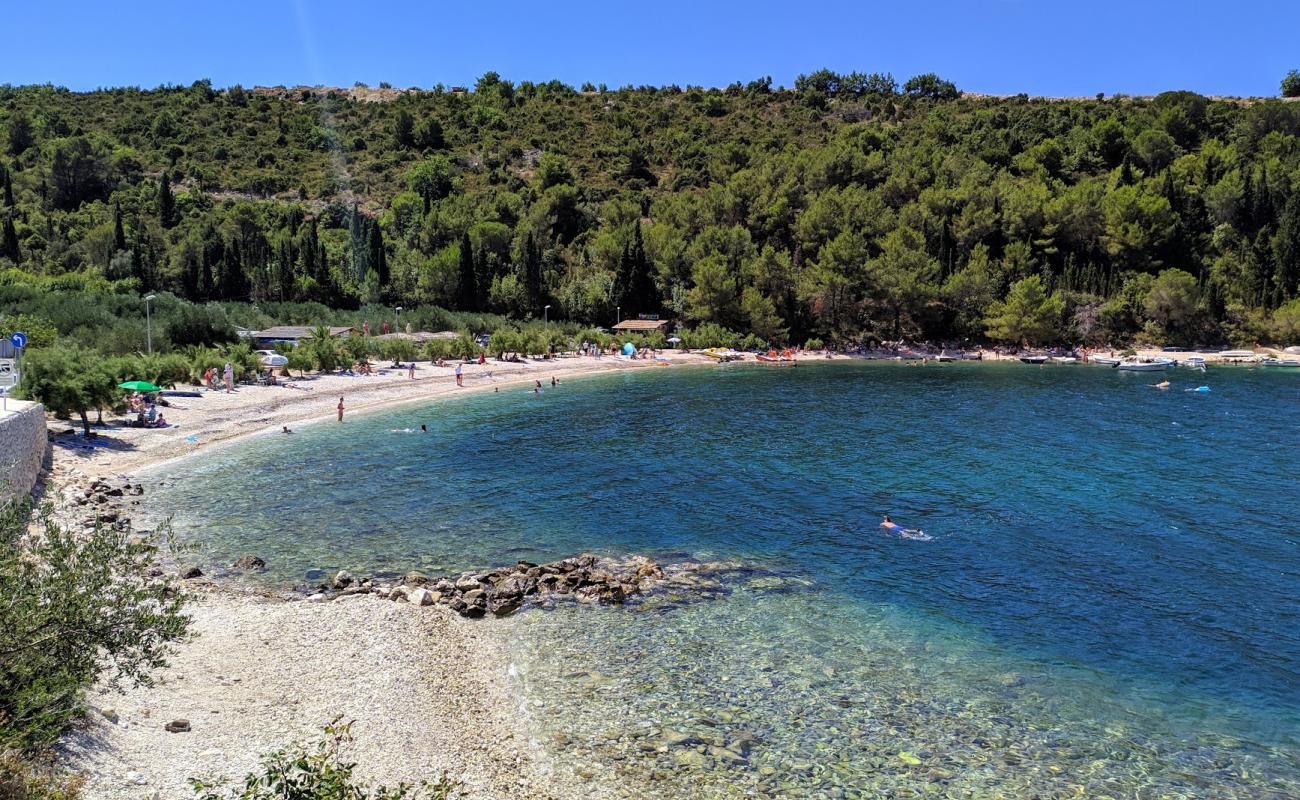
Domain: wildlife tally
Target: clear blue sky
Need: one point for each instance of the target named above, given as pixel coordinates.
(1045, 47)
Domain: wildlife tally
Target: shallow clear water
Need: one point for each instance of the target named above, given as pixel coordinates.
(1108, 604)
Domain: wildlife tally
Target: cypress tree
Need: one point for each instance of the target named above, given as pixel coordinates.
(532, 272)
(119, 235)
(1286, 247)
(9, 244)
(645, 295)
(468, 289)
(166, 202)
(360, 249)
(1126, 171)
(377, 258)
(9, 189)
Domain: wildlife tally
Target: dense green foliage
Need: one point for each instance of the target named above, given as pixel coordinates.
(846, 208)
(78, 607)
(320, 774)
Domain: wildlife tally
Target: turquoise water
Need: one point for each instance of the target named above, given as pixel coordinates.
(1107, 606)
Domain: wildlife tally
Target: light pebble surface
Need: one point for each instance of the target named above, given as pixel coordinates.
(429, 692)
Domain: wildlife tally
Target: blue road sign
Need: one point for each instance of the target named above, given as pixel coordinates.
(19, 339)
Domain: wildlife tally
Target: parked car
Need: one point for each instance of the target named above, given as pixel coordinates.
(270, 358)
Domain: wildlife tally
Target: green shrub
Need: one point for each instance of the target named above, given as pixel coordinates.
(78, 607)
(320, 774)
(814, 344)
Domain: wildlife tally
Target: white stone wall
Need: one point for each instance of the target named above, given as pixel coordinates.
(24, 447)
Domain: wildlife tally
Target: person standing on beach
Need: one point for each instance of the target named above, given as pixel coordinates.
(411, 370)
(229, 376)
(340, 409)
(458, 377)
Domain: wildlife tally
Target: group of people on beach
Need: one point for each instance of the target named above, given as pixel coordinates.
(144, 408)
(227, 378)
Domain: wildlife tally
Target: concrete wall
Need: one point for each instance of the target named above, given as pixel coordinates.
(24, 447)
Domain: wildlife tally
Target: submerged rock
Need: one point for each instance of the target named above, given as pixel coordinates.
(249, 563)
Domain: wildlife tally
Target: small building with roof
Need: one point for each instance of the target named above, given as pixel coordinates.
(293, 334)
(643, 326)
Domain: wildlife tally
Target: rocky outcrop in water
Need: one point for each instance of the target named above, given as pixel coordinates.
(502, 591)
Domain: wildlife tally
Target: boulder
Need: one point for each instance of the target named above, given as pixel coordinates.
(420, 597)
(191, 571)
(445, 585)
(474, 596)
(399, 594)
(415, 579)
(502, 606)
(467, 583)
(249, 563)
(342, 579)
(177, 726)
(319, 597)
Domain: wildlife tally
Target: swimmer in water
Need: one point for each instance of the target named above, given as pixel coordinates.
(424, 429)
(907, 533)
(1161, 385)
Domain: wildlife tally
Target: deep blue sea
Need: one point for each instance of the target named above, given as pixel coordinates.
(1108, 605)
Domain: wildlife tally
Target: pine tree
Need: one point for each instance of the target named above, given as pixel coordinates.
(9, 244)
(166, 202)
(467, 290)
(9, 189)
(119, 235)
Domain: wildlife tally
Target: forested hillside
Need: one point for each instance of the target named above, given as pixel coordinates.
(848, 207)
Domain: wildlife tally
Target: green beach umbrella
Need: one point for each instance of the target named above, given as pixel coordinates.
(139, 386)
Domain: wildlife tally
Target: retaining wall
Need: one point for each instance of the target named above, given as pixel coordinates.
(24, 447)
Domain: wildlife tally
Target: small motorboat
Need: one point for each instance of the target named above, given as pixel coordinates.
(1237, 355)
(1144, 364)
(1064, 360)
(1033, 359)
(1105, 361)
(945, 356)
(1194, 362)
(1280, 362)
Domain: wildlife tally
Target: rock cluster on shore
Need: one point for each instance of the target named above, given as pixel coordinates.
(585, 578)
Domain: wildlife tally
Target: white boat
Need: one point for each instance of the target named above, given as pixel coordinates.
(1105, 361)
(1033, 359)
(1238, 355)
(1064, 360)
(1195, 362)
(1145, 364)
(1280, 362)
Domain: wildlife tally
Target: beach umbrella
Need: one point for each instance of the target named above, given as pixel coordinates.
(628, 348)
(139, 386)
(674, 339)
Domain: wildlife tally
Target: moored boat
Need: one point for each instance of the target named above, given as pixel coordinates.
(722, 354)
(1105, 361)
(1292, 363)
(1033, 359)
(1064, 360)
(1145, 364)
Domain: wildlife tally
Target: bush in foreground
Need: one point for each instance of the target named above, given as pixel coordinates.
(320, 774)
(76, 608)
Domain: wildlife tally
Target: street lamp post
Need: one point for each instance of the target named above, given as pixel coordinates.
(397, 319)
(148, 321)
(546, 316)
(618, 315)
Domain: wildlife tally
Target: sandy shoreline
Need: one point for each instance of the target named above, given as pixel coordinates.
(429, 691)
